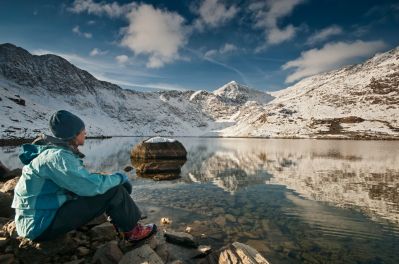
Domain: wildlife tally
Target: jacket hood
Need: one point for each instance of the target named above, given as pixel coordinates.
(30, 151)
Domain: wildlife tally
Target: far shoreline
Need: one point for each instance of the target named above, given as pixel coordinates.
(4, 142)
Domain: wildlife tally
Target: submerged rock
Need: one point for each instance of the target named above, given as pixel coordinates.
(180, 238)
(235, 253)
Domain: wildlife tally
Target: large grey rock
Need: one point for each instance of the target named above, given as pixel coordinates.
(180, 238)
(235, 253)
(143, 254)
(162, 150)
(105, 231)
(109, 253)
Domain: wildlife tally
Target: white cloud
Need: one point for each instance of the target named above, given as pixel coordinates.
(213, 13)
(330, 56)
(156, 33)
(77, 31)
(267, 14)
(225, 49)
(228, 48)
(112, 10)
(97, 52)
(324, 34)
(122, 59)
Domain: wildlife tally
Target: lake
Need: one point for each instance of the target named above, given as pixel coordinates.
(295, 201)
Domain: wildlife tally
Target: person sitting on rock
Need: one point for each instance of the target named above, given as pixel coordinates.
(56, 194)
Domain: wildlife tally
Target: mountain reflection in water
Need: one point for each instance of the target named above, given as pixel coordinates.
(295, 201)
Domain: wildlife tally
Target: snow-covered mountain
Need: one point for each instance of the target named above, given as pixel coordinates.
(356, 101)
(359, 101)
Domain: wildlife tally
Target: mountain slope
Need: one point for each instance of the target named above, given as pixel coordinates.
(359, 101)
(32, 87)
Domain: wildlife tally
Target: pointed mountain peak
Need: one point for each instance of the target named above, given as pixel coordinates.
(241, 93)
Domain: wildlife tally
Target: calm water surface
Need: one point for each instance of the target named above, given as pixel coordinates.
(296, 201)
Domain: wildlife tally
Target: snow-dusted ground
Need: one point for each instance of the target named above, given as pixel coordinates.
(359, 101)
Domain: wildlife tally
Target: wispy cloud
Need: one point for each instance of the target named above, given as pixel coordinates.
(77, 31)
(324, 34)
(268, 13)
(330, 56)
(227, 48)
(224, 65)
(122, 59)
(112, 10)
(98, 52)
(213, 13)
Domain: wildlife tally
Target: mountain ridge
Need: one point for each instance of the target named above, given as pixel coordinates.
(358, 101)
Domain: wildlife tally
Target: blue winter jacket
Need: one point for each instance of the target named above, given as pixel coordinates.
(52, 175)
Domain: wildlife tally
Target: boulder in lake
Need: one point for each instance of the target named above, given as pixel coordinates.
(159, 148)
(159, 158)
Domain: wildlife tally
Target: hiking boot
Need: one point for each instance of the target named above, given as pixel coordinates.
(140, 232)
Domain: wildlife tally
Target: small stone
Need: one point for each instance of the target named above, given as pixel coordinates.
(128, 168)
(188, 229)
(165, 221)
(83, 251)
(220, 220)
(180, 238)
(230, 218)
(143, 254)
(204, 249)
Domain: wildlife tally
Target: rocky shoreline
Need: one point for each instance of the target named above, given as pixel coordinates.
(98, 242)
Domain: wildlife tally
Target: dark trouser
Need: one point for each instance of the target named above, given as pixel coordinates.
(116, 203)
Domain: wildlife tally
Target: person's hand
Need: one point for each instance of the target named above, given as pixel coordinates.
(125, 182)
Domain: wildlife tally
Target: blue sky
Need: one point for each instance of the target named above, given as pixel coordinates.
(265, 44)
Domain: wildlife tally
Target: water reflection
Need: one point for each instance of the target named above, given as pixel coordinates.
(158, 169)
(358, 174)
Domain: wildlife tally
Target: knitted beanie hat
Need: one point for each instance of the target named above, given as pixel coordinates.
(65, 125)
